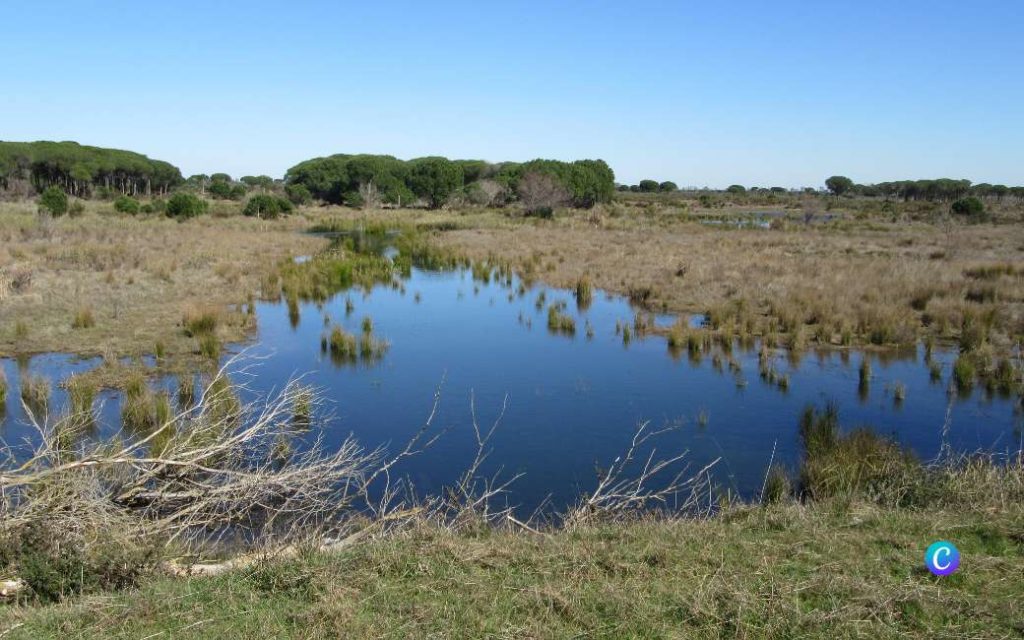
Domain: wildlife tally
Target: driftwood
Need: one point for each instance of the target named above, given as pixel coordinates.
(220, 467)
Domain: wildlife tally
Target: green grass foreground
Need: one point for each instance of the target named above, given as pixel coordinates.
(780, 571)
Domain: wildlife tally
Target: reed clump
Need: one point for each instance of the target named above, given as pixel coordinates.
(199, 322)
(35, 393)
(964, 373)
(84, 319)
(559, 321)
(584, 292)
(857, 464)
(81, 395)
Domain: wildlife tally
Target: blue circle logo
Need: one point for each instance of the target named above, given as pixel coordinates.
(942, 558)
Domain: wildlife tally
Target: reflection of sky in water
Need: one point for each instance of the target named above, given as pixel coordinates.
(573, 401)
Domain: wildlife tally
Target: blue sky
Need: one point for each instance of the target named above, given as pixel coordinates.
(706, 94)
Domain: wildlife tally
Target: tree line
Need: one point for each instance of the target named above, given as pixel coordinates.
(81, 170)
(364, 180)
(938, 190)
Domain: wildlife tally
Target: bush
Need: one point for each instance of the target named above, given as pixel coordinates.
(298, 194)
(971, 208)
(435, 179)
(56, 561)
(127, 204)
(54, 200)
(649, 186)
(266, 206)
(185, 205)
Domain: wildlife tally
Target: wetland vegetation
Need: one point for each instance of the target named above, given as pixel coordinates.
(845, 379)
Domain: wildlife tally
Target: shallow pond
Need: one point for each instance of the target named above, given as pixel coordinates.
(573, 401)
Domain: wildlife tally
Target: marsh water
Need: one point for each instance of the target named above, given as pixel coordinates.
(572, 402)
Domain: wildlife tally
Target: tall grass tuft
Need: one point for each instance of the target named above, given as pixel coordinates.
(81, 394)
(138, 411)
(343, 345)
(209, 346)
(584, 293)
(858, 465)
(559, 322)
(186, 390)
(964, 373)
(84, 319)
(302, 407)
(35, 392)
(200, 322)
(777, 485)
(3, 392)
(864, 378)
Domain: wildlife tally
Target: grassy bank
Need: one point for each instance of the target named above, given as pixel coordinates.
(782, 571)
(108, 283)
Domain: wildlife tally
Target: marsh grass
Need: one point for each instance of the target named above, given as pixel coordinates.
(559, 321)
(186, 390)
(35, 393)
(302, 407)
(83, 319)
(344, 347)
(777, 486)
(81, 395)
(858, 464)
(964, 373)
(210, 347)
(200, 322)
(139, 411)
(899, 393)
(584, 293)
(864, 377)
(3, 391)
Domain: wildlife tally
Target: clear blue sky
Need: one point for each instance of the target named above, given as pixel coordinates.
(760, 93)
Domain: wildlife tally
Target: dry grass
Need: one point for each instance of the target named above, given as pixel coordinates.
(858, 283)
(109, 283)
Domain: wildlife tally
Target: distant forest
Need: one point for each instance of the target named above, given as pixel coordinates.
(353, 179)
(81, 170)
(364, 180)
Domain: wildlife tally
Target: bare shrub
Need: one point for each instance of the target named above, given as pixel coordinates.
(540, 193)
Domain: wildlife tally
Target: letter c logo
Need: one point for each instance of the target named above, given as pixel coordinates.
(942, 558)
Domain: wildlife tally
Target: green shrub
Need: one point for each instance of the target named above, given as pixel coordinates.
(127, 204)
(56, 561)
(54, 201)
(185, 205)
(970, 208)
(298, 194)
(264, 205)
